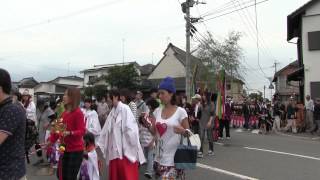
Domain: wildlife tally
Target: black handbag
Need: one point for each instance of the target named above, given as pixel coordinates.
(185, 157)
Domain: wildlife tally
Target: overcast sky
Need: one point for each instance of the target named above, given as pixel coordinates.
(45, 38)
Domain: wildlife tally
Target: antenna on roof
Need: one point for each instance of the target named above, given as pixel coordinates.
(168, 40)
(123, 41)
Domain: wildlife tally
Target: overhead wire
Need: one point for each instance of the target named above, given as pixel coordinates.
(233, 11)
(226, 8)
(257, 31)
(251, 23)
(263, 46)
(240, 15)
(252, 69)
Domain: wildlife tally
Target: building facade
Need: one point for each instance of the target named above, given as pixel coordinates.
(304, 25)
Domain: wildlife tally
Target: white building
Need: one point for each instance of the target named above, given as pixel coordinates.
(173, 64)
(58, 85)
(94, 76)
(304, 24)
(26, 85)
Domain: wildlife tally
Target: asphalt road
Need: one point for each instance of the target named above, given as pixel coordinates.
(251, 156)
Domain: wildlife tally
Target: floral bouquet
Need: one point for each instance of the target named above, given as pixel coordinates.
(58, 127)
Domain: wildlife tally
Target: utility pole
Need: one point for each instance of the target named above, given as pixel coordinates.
(188, 64)
(275, 71)
(264, 92)
(186, 9)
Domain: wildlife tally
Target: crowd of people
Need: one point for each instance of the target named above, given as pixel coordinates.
(291, 116)
(129, 129)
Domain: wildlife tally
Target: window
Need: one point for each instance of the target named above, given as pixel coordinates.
(314, 87)
(314, 40)
(92, 78)
(228, 87)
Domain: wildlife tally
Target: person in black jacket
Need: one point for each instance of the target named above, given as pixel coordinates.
(316, 116)
(277, 113)
(246, 114)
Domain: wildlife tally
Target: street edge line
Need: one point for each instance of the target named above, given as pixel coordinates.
(240, 176)
(283, 153)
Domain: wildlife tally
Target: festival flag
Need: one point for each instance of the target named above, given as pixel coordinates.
(220, 108)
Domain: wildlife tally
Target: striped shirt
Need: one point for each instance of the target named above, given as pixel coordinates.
(133, 108)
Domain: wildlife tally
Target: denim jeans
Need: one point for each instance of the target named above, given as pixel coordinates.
(203, 133)
(149, 154)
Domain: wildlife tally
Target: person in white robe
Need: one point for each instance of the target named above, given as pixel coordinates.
(91, 119)
(119, 142)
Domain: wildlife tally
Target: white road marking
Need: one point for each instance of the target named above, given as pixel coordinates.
(221, 144)
(283, 153)
(240, 176)
(256, 131)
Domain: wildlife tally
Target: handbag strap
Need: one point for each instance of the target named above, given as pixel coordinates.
(188, 140)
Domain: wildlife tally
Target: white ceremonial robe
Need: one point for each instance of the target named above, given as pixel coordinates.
(92, 123)
(120, 136)
(93, 167)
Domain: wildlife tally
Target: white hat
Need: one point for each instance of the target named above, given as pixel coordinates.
(196, 96)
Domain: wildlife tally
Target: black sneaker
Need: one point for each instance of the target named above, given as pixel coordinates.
(148, 175)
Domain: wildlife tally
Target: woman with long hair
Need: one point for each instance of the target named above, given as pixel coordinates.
(72, 137)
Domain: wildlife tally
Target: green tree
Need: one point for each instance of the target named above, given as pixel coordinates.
(97, 91)
(123, 77)
(88, 92)
(256, 96)
(100, 91)
(217, 54)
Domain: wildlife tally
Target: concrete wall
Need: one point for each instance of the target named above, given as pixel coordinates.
(311, 59)
(97, 73)
(236, 91)
(69, 82)
(170, 65)
(30, 90)
(283, 87)
(45, 87)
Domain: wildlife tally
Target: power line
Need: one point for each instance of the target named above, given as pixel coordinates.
(252, 69)
(215, 17)
(264, 48)
(59, 18)
(239, 12)
(226, 8)
(257, 31)
(250, 20)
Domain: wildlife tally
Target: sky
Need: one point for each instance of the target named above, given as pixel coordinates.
(50, 38)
